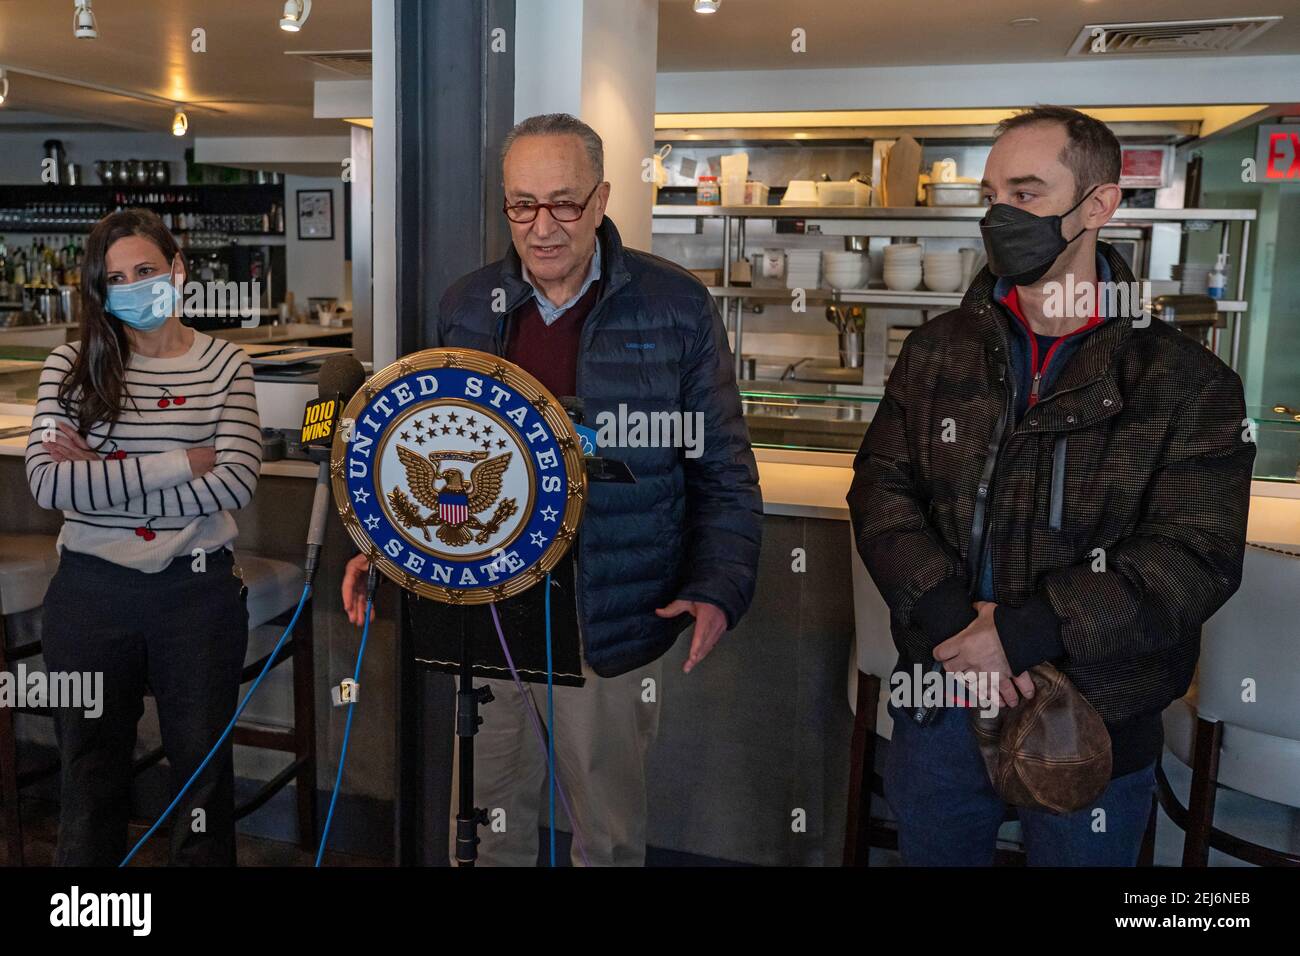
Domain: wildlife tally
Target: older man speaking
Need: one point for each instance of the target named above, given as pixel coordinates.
(626, 332)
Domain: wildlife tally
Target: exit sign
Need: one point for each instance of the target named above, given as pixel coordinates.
(1277, 153)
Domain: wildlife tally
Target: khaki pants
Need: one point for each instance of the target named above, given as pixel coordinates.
(602, 734)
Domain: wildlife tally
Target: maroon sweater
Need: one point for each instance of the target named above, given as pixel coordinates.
(550, 352)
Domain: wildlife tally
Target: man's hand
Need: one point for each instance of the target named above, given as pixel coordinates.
(978, 649)
(710, 623)
(68, 445)
(354, 590)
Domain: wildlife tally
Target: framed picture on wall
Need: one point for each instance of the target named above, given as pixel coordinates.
(315, 214)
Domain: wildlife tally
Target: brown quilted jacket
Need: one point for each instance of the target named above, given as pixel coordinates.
(1140, 450)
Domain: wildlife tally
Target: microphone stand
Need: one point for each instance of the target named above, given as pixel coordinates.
(468, 817)
(468, 698)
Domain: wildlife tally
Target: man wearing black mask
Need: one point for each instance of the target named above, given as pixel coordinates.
(1050, 477)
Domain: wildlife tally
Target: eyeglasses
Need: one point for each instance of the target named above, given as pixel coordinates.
(560, 211)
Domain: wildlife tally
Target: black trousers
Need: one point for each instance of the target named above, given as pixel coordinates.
(182, 634)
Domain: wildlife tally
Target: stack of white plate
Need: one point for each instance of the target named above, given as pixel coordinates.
(803, 268)
(1195, 279)
(845, 270)
(902, 266)
(943, 271)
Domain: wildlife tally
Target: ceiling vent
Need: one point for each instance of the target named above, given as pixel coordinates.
(348, 62)
(1225, 35)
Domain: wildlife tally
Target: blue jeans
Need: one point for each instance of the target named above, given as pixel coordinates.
(949, 814)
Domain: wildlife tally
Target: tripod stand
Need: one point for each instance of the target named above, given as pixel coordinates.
(468, 697)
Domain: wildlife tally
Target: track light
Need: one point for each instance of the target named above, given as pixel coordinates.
(180, 123)
(4, 87)
(296, 13)
(707, 6)
(83, 21)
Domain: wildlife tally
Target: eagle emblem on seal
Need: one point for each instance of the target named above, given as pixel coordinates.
(457, 505)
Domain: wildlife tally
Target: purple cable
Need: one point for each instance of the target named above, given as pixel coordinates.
(524, 699)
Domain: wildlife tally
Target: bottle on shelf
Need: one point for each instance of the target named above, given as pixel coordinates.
(1218, 280)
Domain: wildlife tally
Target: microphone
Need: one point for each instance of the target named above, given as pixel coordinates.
(598, 468)
(573, 407)
(339, 379)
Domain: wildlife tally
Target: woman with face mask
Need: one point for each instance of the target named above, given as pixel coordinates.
(146, 437)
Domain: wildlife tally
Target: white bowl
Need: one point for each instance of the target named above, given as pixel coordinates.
(902, 285)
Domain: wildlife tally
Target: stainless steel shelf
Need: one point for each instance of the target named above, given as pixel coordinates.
(928, 221)
(927, 213)
(917, 298)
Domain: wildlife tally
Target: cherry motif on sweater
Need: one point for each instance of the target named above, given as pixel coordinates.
(168, 398)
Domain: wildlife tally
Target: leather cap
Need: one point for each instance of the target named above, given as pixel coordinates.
(1048, 753)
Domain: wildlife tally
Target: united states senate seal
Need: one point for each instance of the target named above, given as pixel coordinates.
(459, 475)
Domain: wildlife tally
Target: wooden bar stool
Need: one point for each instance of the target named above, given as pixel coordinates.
(27, 563)
(272, 591)
(274, 588)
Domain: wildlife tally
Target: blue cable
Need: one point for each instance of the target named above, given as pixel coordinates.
(229, 728)
(347, 733)
(550, 716)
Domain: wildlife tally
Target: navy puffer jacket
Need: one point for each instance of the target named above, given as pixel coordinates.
(690, 527)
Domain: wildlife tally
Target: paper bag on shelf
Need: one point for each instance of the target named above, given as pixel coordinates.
(904, 165)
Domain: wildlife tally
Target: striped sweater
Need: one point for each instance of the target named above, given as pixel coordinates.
(139, 506)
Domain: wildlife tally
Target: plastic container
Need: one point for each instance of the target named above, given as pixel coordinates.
(848, 192)
(756, 193)
(952, 194)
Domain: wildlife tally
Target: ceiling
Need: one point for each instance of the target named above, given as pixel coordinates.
(756, 34)
(244, 85)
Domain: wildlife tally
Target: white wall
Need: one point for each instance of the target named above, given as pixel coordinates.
(315, 267)
(619, 47)
(596, 60)
(548, 57)
(320, 154)
(1117, 82)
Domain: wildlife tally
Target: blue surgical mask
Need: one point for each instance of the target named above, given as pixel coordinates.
(143, 305)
